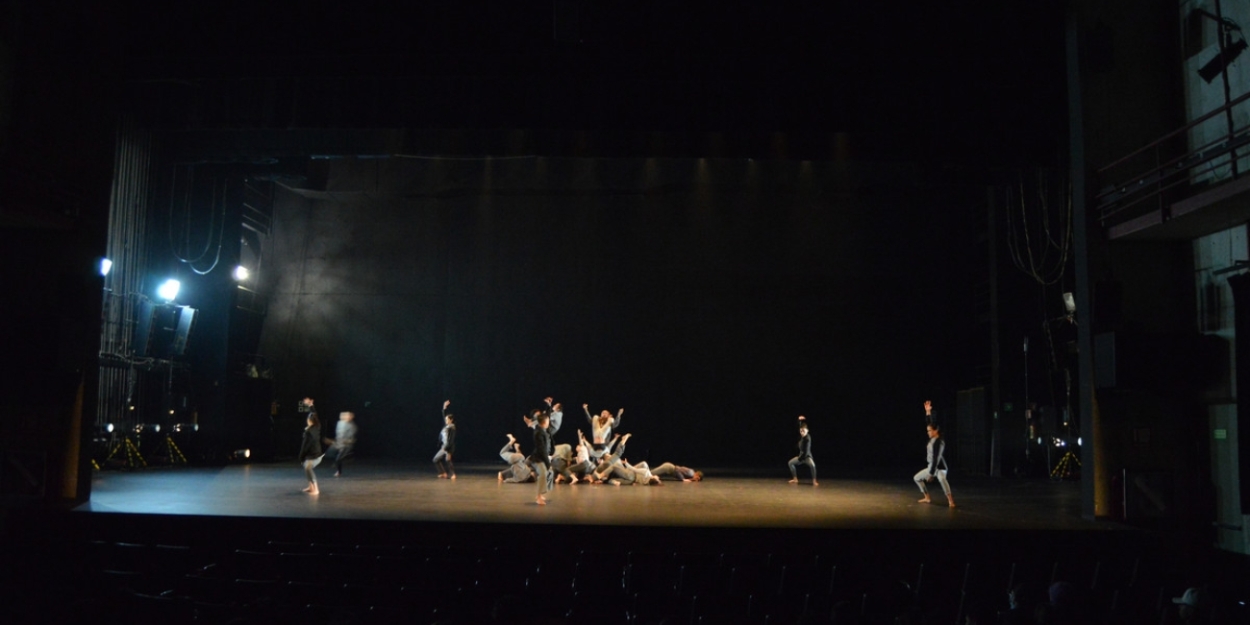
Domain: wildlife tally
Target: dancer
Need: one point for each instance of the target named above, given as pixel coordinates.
(937, 466)
(635, 474)
(518, 470)
(580, 466)
(541, 457)
(344, 442)
(805, 454)
(611, 461)
(600, 429)
(556, 410)
(685, 474)
(310, 448)
(561, 460)
(447, 445)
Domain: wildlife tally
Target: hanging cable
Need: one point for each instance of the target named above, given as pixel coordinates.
(1047, 261)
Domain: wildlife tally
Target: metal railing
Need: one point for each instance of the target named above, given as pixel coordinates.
(1150, 171)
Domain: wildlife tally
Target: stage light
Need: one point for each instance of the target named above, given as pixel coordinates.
(1217, 65)
(169, 290)
(1078, 440)
(105, 266)
(241, 454)
(108, 428)
(241, 273)
(1069, 302)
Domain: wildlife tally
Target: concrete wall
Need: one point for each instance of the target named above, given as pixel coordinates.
(1215, 313)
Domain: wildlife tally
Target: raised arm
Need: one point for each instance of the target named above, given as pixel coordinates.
(445, 405)
(616, 423)
(586, 409)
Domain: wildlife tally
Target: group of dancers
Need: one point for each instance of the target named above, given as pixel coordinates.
(597, 460)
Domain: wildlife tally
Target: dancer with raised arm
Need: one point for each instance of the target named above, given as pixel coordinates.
(601, 430)
(446, 445)
(805, 454)
(541, 458)
(934, 452)
(310, 446)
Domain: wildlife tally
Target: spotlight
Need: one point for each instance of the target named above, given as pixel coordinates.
(241, 454)
(169, 290)
(105, 266)
(108, 428)
(1217, 65)
(241, 273)
(1078, 440)
(1069, 302)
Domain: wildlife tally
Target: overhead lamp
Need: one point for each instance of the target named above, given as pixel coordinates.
(1217, 65)
(241, 273)
(1069, 302)
(1229, 49)
(105, 266)
(169, 290)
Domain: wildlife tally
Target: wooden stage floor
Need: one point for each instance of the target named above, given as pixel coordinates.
(726, 499)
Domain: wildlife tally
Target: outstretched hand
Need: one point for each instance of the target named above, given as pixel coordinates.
(928, 407)
(446, 404)
(548, 400)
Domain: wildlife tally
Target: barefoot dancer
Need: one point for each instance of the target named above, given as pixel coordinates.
(310, 447)
(805, 454)
(601, 430)
(447, 444)
(937, 466)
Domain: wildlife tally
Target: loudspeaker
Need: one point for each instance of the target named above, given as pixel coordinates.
(186, 320)
(143, 327)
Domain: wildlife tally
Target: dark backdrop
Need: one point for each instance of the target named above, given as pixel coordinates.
(715, 300)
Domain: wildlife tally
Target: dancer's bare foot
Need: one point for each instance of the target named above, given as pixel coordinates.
(815, 483)
(542, 501)
(308, 489)
(559, 479)
(951, 501)
(442, 476)
(452, 476)
(794, 481)
(337, 474)
(500, 476)
(925, 500)
(572, 481)
(314, 491)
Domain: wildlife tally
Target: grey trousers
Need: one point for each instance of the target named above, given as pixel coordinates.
(794, 467)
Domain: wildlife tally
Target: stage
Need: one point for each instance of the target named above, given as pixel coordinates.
(727, 498)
